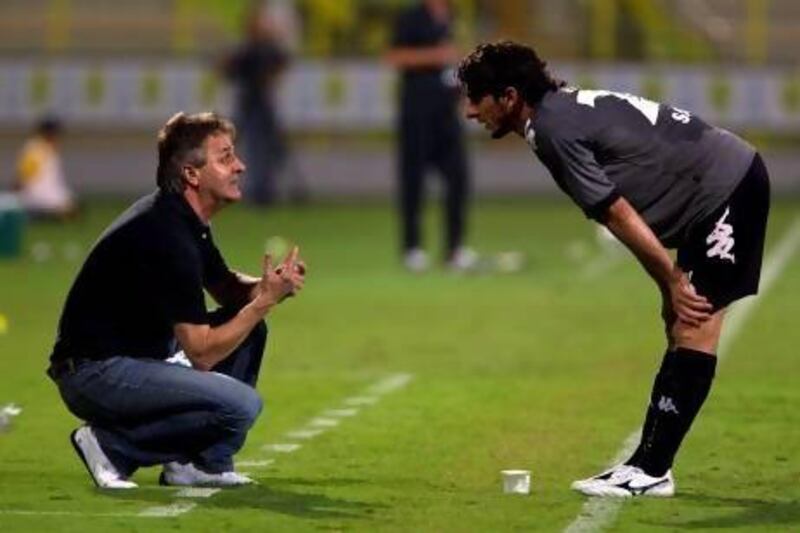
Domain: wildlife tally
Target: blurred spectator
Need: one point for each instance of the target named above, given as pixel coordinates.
(255, 68)
(430, 132)
(40, 181)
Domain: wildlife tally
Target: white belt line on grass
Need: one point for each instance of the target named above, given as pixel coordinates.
(316, 426)
(599, 513)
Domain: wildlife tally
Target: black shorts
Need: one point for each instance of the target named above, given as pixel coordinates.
(722, 253)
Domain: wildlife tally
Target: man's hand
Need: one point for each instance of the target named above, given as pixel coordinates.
(688, 306)
(279, 283)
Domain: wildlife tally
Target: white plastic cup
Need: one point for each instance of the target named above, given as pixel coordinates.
(516, 481)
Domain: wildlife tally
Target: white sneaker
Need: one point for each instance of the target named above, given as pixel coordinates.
(625, 481)
(463, 260)
(416, 260)
(602, 477)
(103, 473)
(188, 475)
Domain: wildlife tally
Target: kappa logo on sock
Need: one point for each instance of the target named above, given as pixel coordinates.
(666, 405)
(721, 239)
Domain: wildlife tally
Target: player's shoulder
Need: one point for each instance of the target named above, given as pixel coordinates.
(558, 113)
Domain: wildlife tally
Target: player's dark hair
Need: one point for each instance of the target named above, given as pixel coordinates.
(180, 143)
(493, 67)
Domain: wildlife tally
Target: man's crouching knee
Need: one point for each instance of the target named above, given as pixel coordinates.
(240, 412)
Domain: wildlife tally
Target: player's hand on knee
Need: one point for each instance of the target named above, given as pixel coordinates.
(687, 305)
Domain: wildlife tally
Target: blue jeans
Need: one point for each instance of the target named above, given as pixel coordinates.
(146, 411)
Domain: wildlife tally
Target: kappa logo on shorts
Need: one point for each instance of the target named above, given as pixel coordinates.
(721, 239)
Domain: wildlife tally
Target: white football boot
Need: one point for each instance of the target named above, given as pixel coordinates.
(602, 477)
(188, 475)
(625, 481)
(104, 474)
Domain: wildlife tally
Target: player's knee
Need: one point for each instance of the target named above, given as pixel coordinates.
(703, 338)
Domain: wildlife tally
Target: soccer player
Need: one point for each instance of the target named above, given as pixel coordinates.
(657, 177)
(141, 292)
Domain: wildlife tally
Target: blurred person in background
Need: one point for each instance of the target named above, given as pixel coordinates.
(40, 180)
(255, 69)
(137, 307)
(429, 131)
(657, 177)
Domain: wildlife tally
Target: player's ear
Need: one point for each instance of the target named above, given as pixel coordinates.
(511, 97)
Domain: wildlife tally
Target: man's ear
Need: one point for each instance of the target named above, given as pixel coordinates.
(190, 175)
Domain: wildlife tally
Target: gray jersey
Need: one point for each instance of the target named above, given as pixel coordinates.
(671, 166)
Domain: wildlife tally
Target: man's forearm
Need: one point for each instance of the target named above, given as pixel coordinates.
(626, 224)
(206, 346)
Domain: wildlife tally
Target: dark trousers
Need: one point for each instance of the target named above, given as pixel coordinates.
(147, 411)
(432, 138)
(265, 151)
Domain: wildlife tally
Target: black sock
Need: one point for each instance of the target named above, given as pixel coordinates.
(680, 390)
(650, 415)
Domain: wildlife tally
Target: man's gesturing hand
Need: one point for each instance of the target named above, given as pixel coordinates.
(286, 280)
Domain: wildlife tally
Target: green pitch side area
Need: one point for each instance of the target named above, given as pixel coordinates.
(395, 400)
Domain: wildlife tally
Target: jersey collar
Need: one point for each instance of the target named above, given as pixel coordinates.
(530, 134)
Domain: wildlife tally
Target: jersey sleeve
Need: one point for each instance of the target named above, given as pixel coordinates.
(570, 159)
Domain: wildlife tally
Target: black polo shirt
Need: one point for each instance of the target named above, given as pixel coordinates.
(145, 274)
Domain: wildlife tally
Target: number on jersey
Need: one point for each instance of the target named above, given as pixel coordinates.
(646, 107)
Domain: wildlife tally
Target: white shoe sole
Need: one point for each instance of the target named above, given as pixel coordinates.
(81, 438)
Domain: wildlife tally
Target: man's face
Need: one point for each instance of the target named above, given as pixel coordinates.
(493, 113)
(219, 177)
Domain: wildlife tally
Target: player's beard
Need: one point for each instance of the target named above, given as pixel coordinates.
(508, 122)
(504, 129)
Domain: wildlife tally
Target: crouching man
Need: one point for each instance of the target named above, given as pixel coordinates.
(139, 298)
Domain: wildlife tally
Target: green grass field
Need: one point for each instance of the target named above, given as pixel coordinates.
(547, 369)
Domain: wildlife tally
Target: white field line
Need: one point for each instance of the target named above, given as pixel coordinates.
(598, 514)
(168, 511)
(320, 422)
(256, 464)
(341, 413)
(361, 400)
(196, 492)
(317, 425)
(304, 434)
(281, 448)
